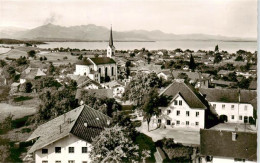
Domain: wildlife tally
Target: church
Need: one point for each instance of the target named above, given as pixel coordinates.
(99, 69)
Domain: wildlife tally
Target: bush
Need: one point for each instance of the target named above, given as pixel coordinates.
(24, 130)
(137, 123)
(22, 98)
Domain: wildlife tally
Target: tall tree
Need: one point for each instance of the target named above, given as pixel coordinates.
(192, 64)
(216, 48)
(114, 145)
(217, 58)
(31, 53)
(150, 107)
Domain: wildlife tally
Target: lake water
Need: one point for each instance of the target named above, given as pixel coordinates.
(169, 45)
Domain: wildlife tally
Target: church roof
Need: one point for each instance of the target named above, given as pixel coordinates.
(103, 60)
(84, 62)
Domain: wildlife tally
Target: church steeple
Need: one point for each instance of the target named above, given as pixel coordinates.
(110, 48)
(111, 38)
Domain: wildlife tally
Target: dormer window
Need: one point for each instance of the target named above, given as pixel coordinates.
(175, 102)
(180, 102)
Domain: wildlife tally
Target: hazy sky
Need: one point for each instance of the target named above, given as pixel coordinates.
(216, 17)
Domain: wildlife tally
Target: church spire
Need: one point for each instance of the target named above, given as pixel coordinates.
(111, 38)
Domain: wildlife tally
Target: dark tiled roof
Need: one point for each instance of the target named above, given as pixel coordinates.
(103, 60)
(95, 120)
(219, 143)
(228, 95)
(192, 98)
(84, 62)
(59, 127)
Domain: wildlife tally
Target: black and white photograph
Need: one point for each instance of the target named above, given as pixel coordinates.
(129, 81)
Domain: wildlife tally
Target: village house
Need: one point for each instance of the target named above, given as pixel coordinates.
(232, 105)
(165, 74)
(117, 87)
(68, 137)
(219, 146)
(186, 109)
(99, 68)
(31, 74)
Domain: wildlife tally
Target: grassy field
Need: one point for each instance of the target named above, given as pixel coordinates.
(17, 111)
(57, 58)
(14, 53)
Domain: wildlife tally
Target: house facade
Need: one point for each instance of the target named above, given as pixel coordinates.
(234, 106)
(69, 149)
(185, 110)
(68, 137)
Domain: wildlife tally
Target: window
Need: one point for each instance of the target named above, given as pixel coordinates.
(180, 102)
(57, 149)
(175, 102)
(71, 161)
(239, 160)
(232, 117)
(245, 107)
(187, 113)
(178, 112)
(44, 151)
(178, 122)
(99, 70)
(71, 149)
(168, 122)
(214, 106)
(197, 123)
(57, 161)
(187, 123)
(232, 107)
(197, 114)
(44, 161)
(168, 112)
(112, 71)
(223, 106)
(84, 149)
(240, 117)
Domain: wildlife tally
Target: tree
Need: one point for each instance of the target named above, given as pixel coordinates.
(192, 64)
(22, 61)
(149, 57)
(114, 145)
(80, 57)
(28, 87)
(41, 58)
(2, 63)
(216, 48)
(51, 69)
(127, 65)
(132, 55)
(239, 58)
(31, 53)
(4, 152)
(44, 58)
(217, 58)
(150, 107)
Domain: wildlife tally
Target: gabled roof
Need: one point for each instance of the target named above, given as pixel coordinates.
(166, 72)
(191, 97)
(84, 62)
(102, 60)
(71, 122)
(219, 143)
(228, 95)
(31, 73)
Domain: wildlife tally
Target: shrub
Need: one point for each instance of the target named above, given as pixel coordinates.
(22, 98)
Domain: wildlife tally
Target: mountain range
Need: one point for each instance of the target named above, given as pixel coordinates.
(91, 32)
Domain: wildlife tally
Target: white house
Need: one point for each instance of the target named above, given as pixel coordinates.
(31, 74)
(68, 137)
(117, 87)
(221, 146)
(234, 106)
(185, 110)
(99, 67)
(165, 74)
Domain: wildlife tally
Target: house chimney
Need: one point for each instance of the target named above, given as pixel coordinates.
(234, 136)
